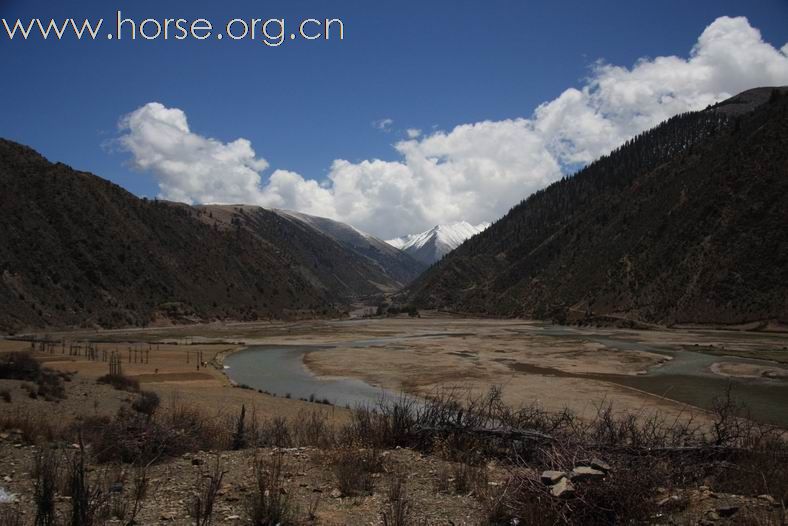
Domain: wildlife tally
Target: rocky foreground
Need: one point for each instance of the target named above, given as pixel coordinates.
(435, 490)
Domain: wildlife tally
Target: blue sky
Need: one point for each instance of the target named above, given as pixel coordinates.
(428, 65)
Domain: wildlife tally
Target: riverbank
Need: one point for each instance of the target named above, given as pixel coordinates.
(553, 366)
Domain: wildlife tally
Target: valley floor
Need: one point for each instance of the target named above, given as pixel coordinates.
(584, 370)
(554, 367)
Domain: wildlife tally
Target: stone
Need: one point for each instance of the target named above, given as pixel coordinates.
(668, 500)
(586, 473)
(552, 477)
(767, 498)
(335, 494)
(601, 465)
(197, 462)
(563, 489)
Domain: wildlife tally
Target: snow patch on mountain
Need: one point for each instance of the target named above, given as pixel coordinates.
(432, 245)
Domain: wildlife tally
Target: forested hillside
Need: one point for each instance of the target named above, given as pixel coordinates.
(686, 223)
(76, 250)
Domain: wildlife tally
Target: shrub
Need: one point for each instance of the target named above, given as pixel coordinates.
(88, 499)
(352, 473)
(239, 436)
(132, 437)
(468, 478)
(270, 503)
(19, 366)
(22, 366)
(206, 489)
(311, 428)
(120, 382)
(398, 509)
(11, 516)
(34, 427)
(146, 403)
(46, 471)
(275, 432)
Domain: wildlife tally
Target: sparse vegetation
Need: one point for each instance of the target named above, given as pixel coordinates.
(239, 437)
(466, 432)
(46, 473)
(46, 383)
(399, 507)
(353, 473)
(87, 496)
(120, 382)
(206, 489)
(270, 503)
(11, 515)
(146, 403)
(32, 427)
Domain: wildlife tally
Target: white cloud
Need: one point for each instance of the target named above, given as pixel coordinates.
(413, 133)
(474, 172)
(383, 125)
(190, 167)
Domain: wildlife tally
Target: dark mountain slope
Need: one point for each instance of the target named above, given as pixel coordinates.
(686, 223)
(78, 250)
(327, 264)
(394, 263)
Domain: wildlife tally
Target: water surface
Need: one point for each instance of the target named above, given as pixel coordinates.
(686, 377)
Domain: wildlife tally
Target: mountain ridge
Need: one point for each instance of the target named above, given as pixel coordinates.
(433, 244)
(79, 251)
(394, 262)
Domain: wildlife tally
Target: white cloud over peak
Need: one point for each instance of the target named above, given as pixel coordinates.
(474, 172)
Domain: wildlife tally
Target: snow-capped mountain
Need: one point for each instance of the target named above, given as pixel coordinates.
(430, 246)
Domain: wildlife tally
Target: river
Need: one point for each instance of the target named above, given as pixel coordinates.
(686, 377)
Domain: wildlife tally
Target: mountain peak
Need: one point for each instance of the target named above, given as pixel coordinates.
(431, 245)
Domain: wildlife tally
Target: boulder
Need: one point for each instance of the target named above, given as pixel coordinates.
(767, 498)
(601, 465)
(563, 489)
(552, 477)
